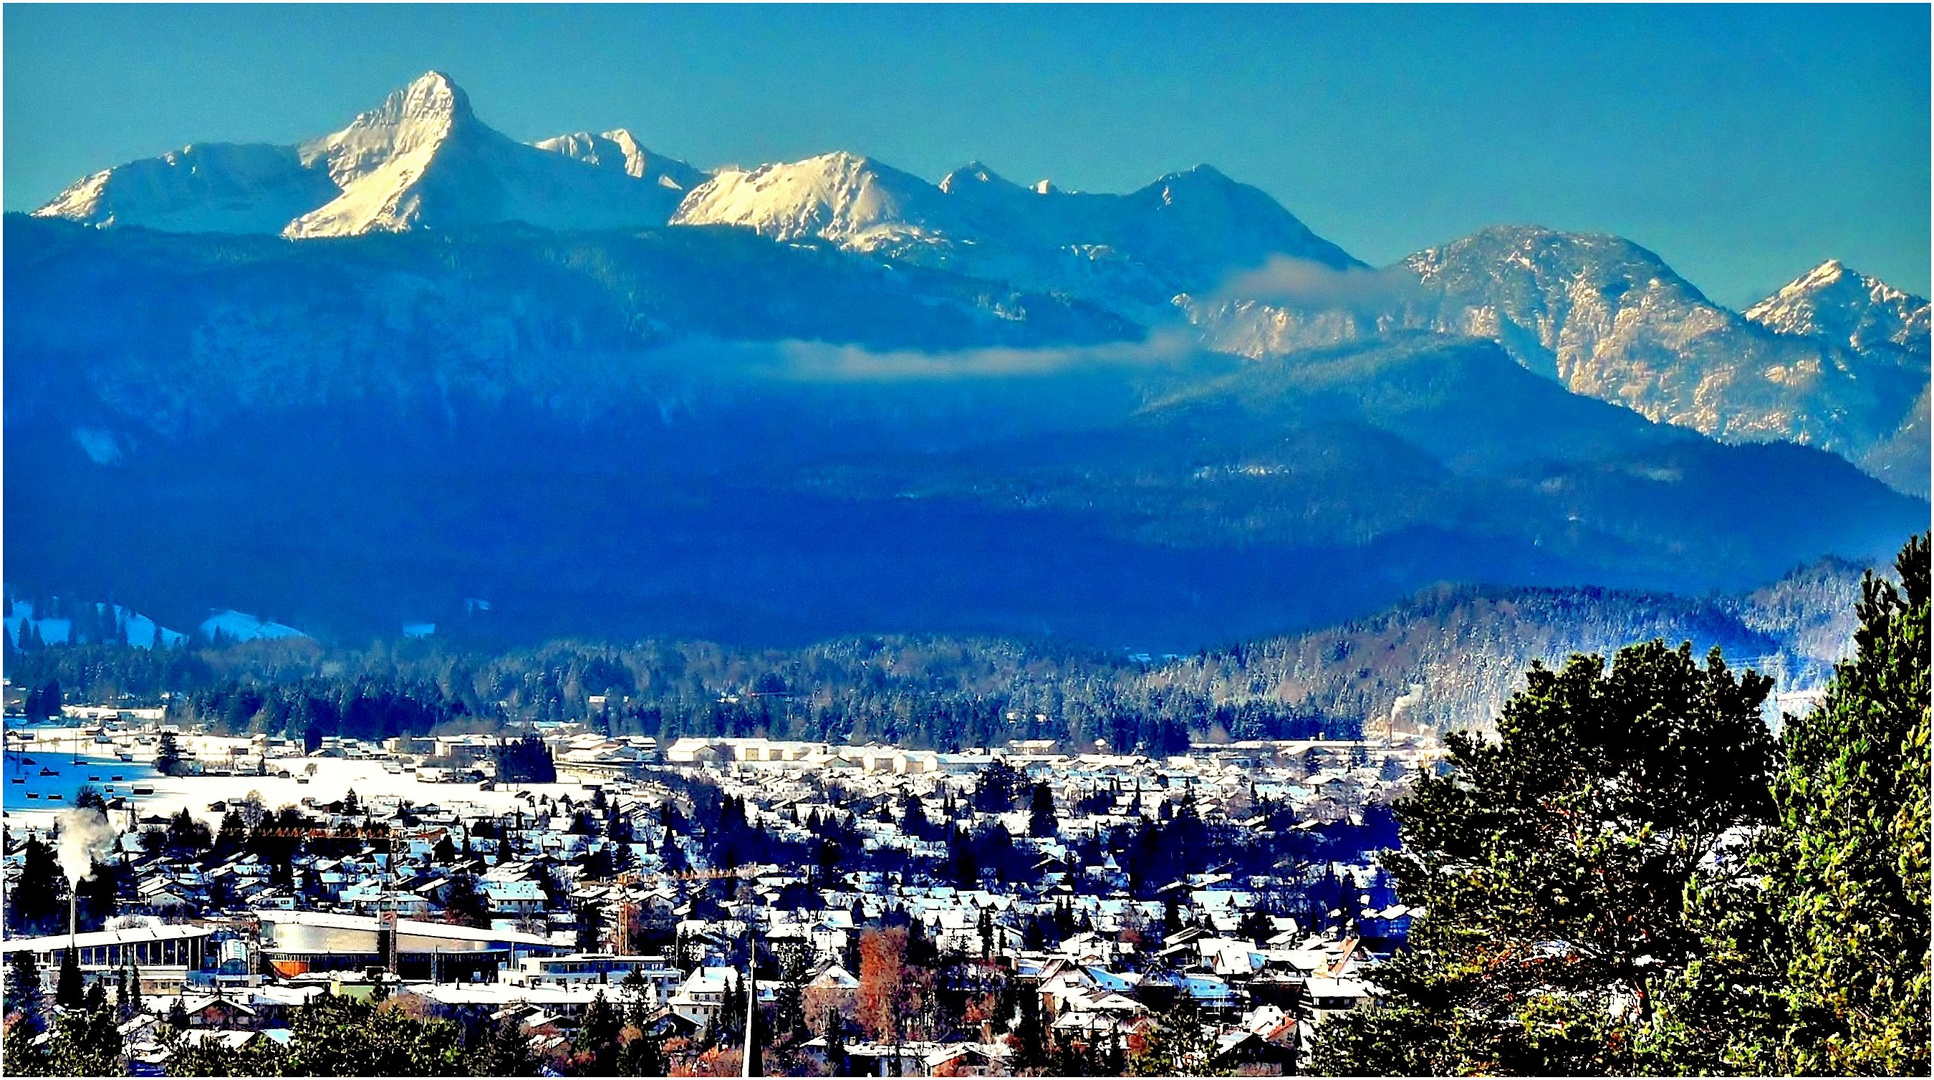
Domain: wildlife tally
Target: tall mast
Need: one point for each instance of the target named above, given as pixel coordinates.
(749, 1065)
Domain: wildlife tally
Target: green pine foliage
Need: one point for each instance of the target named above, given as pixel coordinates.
(34, 902)
(68, 990)
(85, 1043)
(1553, 865)
(1851, 869)
(1634, 879)
(24, 997)
(506, 1051)
(18, 1054)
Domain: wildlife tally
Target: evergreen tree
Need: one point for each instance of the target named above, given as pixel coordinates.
(34, 900)
(506, 1051)
(597, 1038)
(1851, 872)
(68, 991)
(1040, 814)
(1030, 1032)
(231, 837)
(45, 703)
(86, 1043)
(1555, 866)
(167, 758)
(23, 991)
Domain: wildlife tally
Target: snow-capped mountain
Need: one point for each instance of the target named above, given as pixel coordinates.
(1609, 319)
(207, 187)
(705, 431)
(422, 160)
(1843, 305)
(619, 149)
(853, 201)
(1887, 328)
(1834, 360)
(1188, 230)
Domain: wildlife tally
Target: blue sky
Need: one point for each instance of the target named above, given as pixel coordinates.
(1743, 144)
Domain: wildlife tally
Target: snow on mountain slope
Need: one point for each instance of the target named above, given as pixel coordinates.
(235, 625)
(619, 149)
(420, 160)
(98, 622)
(424, 160)
(1187, 230)
(415, 118)
(1609, 319)
(210, 187)
(1843, 305)
(853, 201)
(1887, 330)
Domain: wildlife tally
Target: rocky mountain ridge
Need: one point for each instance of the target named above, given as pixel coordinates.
(1834, 359)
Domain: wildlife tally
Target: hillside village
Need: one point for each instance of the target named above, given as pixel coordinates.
(1026, 909)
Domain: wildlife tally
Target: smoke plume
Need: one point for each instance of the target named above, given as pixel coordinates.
(85, 836)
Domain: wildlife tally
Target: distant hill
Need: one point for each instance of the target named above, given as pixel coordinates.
(1445, 658)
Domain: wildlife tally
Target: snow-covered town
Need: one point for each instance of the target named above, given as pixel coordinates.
(905, 912)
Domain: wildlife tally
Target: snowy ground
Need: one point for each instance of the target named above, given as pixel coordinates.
(53, 748)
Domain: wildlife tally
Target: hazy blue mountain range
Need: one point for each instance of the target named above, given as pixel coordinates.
(362, 380)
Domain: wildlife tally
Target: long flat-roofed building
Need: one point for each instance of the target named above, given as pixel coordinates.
(152, 947)
(294, 942)
(599, 968)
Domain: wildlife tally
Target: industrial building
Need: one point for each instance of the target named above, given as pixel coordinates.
(295, 942)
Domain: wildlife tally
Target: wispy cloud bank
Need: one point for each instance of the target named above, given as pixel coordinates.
(829, 362)
(822, 362)
(1312, 286)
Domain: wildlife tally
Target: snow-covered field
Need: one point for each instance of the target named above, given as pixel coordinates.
(53, 748)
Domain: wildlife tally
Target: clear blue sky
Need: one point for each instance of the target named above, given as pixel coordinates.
(1742, 144)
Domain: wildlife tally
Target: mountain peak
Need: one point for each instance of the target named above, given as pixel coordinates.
(431, 98)
(434, 94)
(620, 151)
(415, 118)
(840, 196)
(1837, 302)
(975, 173)
(1826, 273)
(1200, 174)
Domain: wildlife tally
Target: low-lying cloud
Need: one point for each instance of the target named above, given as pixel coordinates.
(795, 360)
(1313, 286)
(823, 362)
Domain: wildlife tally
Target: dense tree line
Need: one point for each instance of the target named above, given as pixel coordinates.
(1633, 877)
(1466, 647)
(525, 761)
